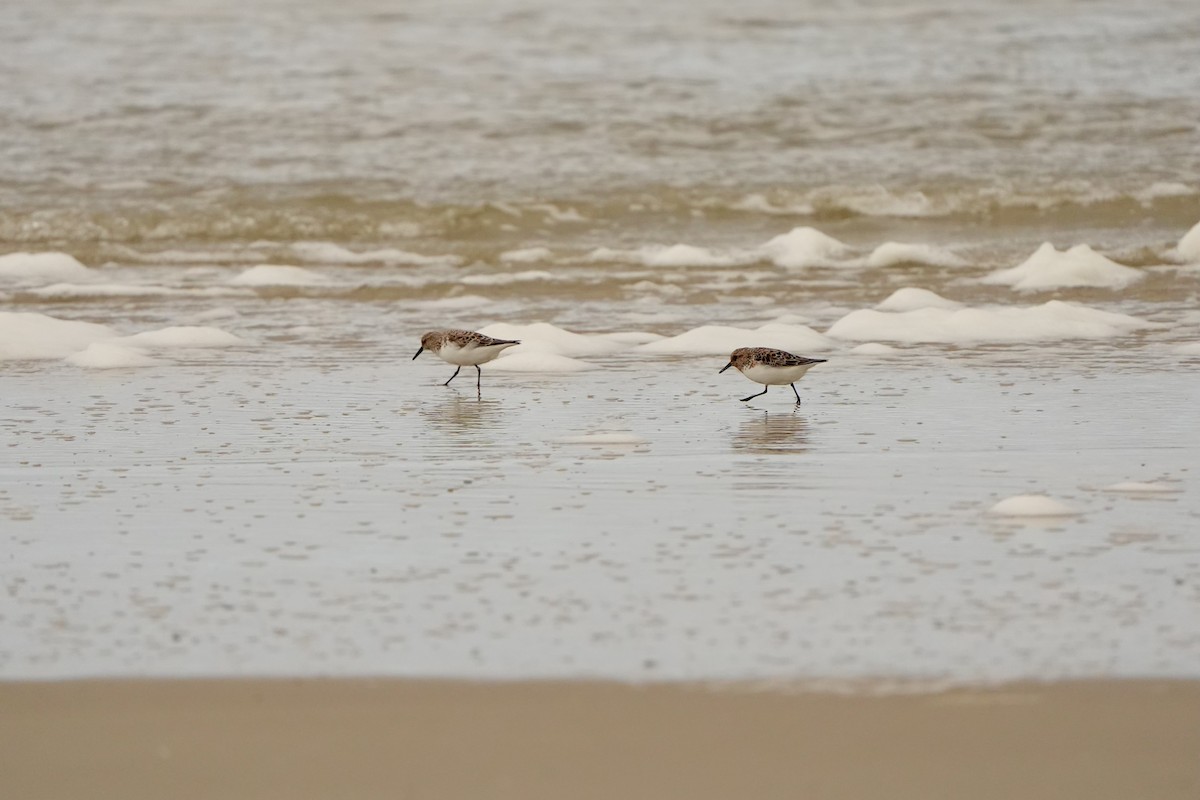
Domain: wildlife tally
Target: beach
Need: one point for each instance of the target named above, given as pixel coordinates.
(382, 738)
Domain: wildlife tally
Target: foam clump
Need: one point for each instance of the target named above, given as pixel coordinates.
(1032, 505)
(1049, 268)
(804, 247)
(28, 335)
(632, 338)
(723, 339)
(275, 275)
(1048, 322)
(29, 267)
(183, 336)
(107, 355)
(1137, 487)
(512, 361)
(676, 255)
(330, 253)
(873, 349)
(891, 253)
(911, 299)
(542, 337)
(1188, 248)
(526, 255)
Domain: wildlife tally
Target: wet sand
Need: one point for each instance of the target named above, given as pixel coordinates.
(421, 739)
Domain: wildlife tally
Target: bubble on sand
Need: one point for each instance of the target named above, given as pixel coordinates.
(183, 336)
(1051, 321)
(543, 337)
(911, 298)
(724, 339)
(108, 355)
(1032, 505)
(1137, 487)
(27, 335)
(873, 349)
(537, 362)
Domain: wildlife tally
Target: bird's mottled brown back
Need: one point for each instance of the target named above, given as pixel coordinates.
(435, 340)
(748, 356)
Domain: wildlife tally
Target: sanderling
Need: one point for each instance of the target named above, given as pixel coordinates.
(463, 349)
(770, 367)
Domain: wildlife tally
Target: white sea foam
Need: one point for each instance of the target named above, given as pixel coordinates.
(723, 339)
(513, 361)
(677, 255)
(1188, 249)
(182, 336)
(873, 349)
(502, 278)
(25, 335)
(1048, 322)
(891, 253)
(1049, 268)
(912, 298)
(274, 275)
(632, 338)
(1189, 349)
(1137, 487)
(804, 247)
(542, 337)
(221, 312)
(192, 256)
(330, 253)
(32, 267)
(1163, 189)
(108, 355)
(526, 255)
(74, 290)
(1032, 505)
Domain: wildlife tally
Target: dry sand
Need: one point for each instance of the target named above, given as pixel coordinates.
(443, 739)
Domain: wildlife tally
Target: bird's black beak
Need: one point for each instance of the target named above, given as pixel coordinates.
(727, 366)
(419, 351)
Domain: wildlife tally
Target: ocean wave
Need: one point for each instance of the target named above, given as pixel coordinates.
(248, 226)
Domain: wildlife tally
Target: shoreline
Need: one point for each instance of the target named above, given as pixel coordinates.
(363, 737)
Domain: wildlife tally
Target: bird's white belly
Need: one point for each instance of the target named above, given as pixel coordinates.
(470, 356)
(775, 376)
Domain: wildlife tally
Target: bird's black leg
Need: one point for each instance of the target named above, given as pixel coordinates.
(760, 394)
(452, 377)
(478, 378)
(797, 394)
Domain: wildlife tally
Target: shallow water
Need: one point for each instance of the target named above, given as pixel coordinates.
(311, 501)
(359, 518)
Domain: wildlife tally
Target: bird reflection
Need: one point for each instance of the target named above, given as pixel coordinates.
(768, 432)
(462, 425)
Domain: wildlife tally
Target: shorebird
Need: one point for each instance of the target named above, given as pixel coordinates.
(770, 367)
(463, 349)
